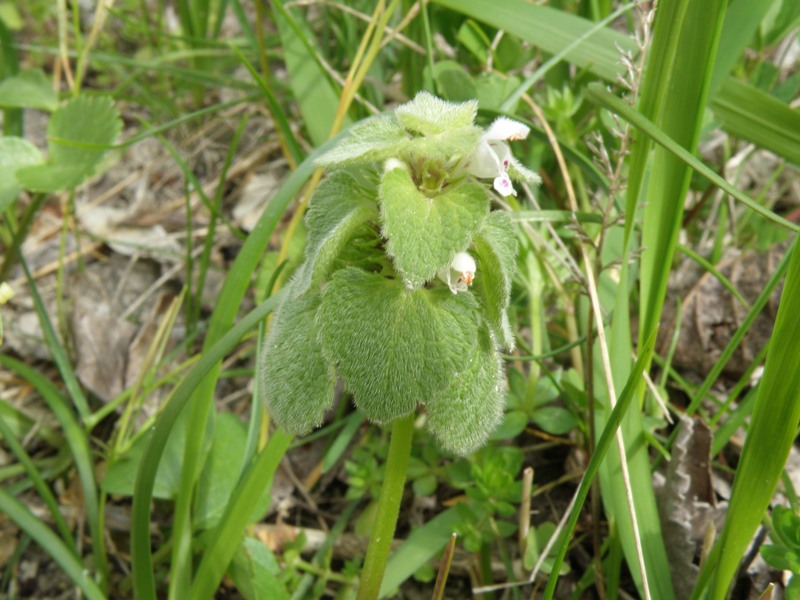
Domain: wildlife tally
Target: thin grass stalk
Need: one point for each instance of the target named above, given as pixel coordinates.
(603, 444)
(589, 266)
(143, 580)
(600, 95)
(229, 300)
(52, 544)
(39, 484)
(81, 455)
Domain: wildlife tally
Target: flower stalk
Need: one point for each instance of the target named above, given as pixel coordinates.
(380, 543)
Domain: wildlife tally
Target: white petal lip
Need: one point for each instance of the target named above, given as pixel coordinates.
(503, 128)
(460, 274)
(463, 263)
(394, 163)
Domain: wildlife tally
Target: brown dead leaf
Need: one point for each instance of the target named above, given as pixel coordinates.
(711, 314)
(686, 502)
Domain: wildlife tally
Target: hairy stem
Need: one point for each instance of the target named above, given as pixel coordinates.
(380, 542)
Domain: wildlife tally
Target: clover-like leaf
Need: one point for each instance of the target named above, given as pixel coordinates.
(495, 246)
(394, 347)
(28, 89)
(373, 139)
(295, 377)
(428, 115)
(463, 415)
(15, 153)
(339, 207)
(79, 133)
(424, 233)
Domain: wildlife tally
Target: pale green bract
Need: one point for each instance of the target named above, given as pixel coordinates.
(405, 287)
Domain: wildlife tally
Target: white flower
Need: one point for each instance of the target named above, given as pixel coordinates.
(492, 157)
(460, 274)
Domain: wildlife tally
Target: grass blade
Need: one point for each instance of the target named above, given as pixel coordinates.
(143, 580)
(51, 543)
(226, 537)
(769, 438)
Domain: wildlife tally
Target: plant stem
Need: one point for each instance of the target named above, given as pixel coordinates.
(380, 542)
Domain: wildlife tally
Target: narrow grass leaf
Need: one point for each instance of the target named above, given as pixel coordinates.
(601, 449)
(552, 30)
(81, 454)
(418, 549)
(12, 443)
(757, 117)
(316, 97)
(227, 536)
(770, 437)
(142, 561)
(599, 94)
(51, 543)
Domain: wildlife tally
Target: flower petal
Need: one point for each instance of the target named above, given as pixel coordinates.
(504, 128)
(502, 184)
(483, 162)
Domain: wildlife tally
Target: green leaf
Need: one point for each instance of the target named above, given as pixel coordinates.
(221, 470)
(28, 89)
(749, 113)
(79, 133)
(464, 414)
(255, 571)
(339, 207)
(295, 378)
(425, 233)
(496, 251)
(512, 425)
(313, 91)
(420, 547)
(373, 139)
(15, 153)
(394, 347)
(428, 115)
(453, 82)
(555, 420)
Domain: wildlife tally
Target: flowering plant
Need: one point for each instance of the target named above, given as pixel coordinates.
(407, 276)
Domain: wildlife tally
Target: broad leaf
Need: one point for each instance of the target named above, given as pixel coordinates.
(394, 347)
(428, 115)
(339, 207)
(28, 89)
(425, 233)
(295, 378)
(463, 415)
(373, 139)
(496, 250)
(255, 572)
(79, 133)
(15, 153)
(221, 470)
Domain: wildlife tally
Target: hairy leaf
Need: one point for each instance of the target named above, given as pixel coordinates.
(295, 377)
(463, 415)
(429, 115)
(496, 250)
(425, 233)
(394, 347)
(339, 207)
(373, 139)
